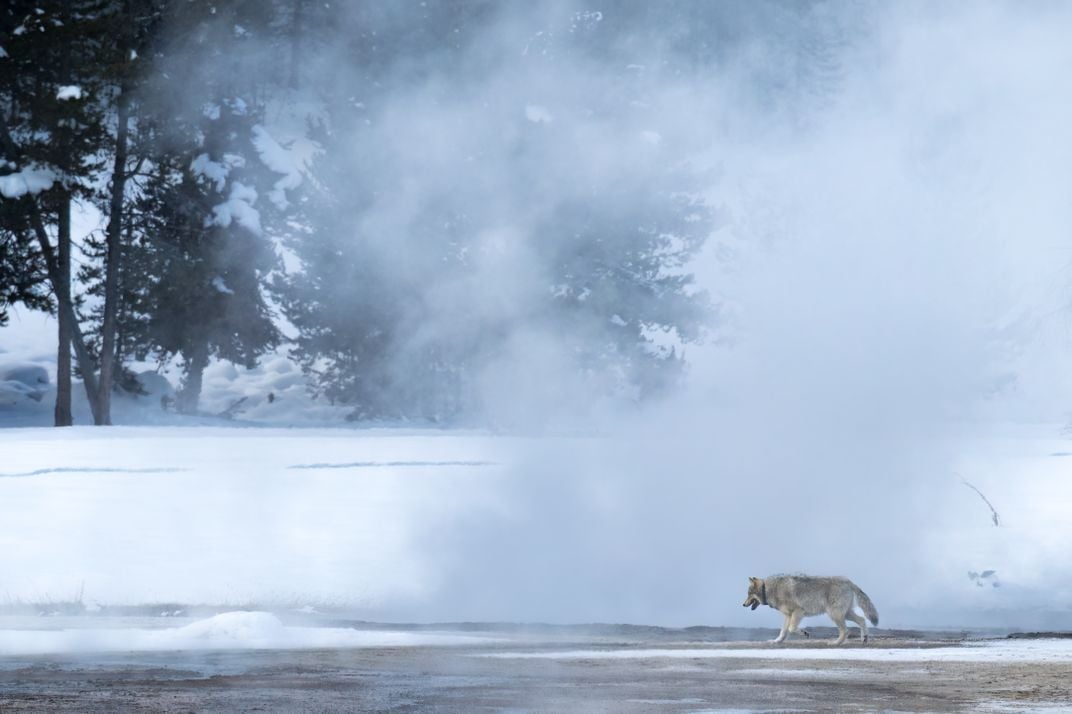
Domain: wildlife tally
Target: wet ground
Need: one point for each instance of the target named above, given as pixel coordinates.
(543, 669)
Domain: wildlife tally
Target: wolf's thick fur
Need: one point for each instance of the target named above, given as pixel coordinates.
(797, 596)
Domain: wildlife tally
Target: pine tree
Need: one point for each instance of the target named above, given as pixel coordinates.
(200, 247)
(23, 276)
(53, 103)
(204, 255)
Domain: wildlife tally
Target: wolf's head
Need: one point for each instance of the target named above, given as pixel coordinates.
(757, 593)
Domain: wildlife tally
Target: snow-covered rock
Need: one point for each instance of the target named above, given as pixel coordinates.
(19, 383)
(155, 384)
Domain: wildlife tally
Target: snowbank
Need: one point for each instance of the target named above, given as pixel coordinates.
(227, 631)
(22, 382)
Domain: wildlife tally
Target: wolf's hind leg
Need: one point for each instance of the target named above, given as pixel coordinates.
(839, 620)
(794, 623)
(859, 620)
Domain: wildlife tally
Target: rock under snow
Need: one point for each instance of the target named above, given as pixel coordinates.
(155, 384)
(21, 382)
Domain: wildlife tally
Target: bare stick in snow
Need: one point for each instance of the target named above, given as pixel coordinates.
(993, 511)
(234, 409)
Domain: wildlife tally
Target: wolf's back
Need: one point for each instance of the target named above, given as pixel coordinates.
(865, 604)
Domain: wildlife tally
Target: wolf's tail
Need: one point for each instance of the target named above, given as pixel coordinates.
(865, 604)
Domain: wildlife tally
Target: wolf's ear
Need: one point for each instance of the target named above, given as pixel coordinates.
(752, 580)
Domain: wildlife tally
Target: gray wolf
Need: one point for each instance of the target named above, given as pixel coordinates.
(797, 596)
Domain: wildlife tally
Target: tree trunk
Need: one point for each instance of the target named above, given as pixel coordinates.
(63, 289)
(63, 297)
(111, 275)
(85, 361)
(190, 395)
(295, 43)
(81, 351)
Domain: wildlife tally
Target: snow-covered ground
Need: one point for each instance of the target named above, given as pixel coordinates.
(426, 525)
(224, 515)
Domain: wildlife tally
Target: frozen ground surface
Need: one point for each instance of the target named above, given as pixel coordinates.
(1040, 650)
(227, 663)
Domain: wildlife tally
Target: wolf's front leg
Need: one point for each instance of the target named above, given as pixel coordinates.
(785, 629)
(843, 631)
(794, 624)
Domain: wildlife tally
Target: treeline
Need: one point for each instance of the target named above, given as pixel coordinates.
(438, 201)
(142, 111)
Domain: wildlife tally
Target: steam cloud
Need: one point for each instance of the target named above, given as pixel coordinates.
(890, 190)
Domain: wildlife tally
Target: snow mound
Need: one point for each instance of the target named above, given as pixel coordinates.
(236, 629)
(240, 630)
(19, 383)
(155, 384)
(273, 391)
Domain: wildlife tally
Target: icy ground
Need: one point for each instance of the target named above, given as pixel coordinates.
(246, 661)
(252, 630)
(996, 651)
